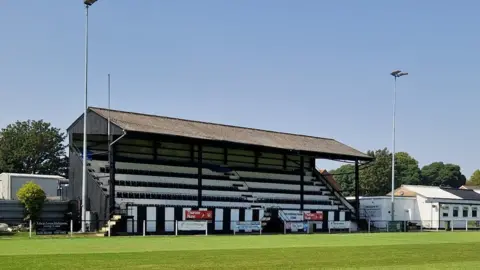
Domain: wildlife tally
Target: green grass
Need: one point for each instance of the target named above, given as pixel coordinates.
(436, 250)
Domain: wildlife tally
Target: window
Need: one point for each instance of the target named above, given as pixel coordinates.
(455, 211)
(445, 211)
(465, 211)
(474, 211)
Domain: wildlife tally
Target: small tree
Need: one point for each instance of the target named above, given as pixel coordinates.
(475, 179)
(32, 197)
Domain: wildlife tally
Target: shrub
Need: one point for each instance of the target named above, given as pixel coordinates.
(32, 197)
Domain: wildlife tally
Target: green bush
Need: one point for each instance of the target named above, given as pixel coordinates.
(32, 197)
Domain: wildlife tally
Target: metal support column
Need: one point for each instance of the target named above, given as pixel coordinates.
(200, 175)
(302, 182)
(111, 164)
(357, 192)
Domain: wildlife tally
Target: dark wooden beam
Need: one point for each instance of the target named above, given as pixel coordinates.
(111, 178)
(200, 175)
(155, 147)
(225, 155)
(192, 153)
(257, 154)
(357, 191)
(242, 146)
(302, 182)
(285, 161)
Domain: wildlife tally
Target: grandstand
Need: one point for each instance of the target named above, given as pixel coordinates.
(159, 168)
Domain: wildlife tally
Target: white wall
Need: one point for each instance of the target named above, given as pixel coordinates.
(378, 208)
(49, 185)
(429, 213)
(3, 186)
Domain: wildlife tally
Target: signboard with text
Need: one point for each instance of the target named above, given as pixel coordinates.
(192, 225)
(248, 226)
(51, 228)
(339, 225)
(313, 216)
(198, 214)
(291, 215)
(297, 226)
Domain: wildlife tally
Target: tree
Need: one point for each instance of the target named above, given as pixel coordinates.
(474, 179)
(440, 174)
(345, 177)
(32, 197)
(407, 171)
(33, 147)
(376, 177)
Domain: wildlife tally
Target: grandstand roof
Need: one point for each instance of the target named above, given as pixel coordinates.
(145, 123)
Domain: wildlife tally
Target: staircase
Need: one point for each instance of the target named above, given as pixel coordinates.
(340, 199)
(266, 218)
(271, 222)
(110, 225)
(97, 192)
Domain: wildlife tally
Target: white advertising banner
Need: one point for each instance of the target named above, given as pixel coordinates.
(340, 225)
(192, 225)
(297, 226)
(292, 215)
(248, 226)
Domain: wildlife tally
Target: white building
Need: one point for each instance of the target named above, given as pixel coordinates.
(10, 183)
(429, 207)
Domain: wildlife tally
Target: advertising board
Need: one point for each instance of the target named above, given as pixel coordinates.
(198, 214)
(313, 216)
(51, 228)
(339, 225)
(248, 226)
(192, 225)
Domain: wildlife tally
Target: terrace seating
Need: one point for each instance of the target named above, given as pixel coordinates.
(174, 184)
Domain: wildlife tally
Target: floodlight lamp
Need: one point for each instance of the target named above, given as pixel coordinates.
(89, 2)
(395, 72)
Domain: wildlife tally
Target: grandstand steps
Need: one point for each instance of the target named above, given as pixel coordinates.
(110, 224)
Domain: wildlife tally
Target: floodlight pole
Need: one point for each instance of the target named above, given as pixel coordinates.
(396, 74)
(84, 168)
(393, 147)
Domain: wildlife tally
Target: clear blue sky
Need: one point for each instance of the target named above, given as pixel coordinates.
(314, 67)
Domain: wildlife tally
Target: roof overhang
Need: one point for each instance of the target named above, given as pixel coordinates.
(136, 124)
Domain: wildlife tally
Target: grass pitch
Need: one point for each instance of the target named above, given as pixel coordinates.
(436, 250)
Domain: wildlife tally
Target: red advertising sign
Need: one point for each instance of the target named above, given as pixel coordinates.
(313, 216)
(198, 214)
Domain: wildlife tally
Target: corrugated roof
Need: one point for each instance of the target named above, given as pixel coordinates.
(466, 194)
(137, 122)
